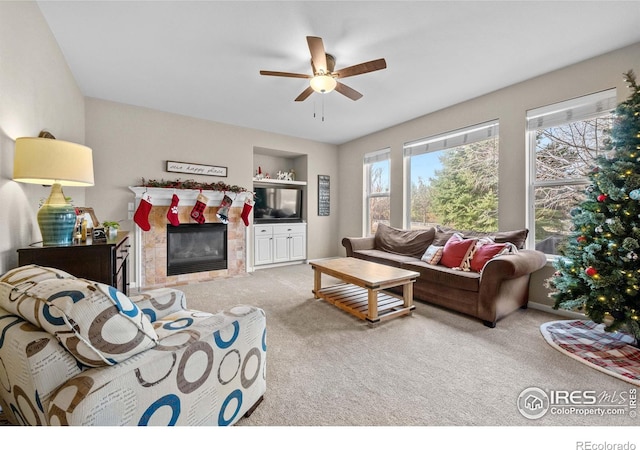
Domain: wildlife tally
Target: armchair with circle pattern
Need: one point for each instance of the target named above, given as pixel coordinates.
(77, 352)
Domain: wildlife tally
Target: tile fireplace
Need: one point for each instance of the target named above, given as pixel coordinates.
(151, 248)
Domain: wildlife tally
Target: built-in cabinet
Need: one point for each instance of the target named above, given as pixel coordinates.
(279, 243)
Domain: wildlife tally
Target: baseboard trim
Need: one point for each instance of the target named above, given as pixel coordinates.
(557, 312)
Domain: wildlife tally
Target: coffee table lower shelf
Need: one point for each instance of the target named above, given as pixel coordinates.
(355, 300)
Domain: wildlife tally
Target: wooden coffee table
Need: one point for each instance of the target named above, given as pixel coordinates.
(361, 293)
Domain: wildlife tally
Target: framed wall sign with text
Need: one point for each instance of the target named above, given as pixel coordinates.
(324, 185)
(196, 169)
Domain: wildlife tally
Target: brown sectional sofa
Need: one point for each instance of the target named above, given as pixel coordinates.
(499, 289)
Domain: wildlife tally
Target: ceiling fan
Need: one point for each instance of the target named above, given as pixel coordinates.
(324, 77)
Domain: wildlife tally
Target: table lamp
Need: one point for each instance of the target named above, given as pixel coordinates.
(48, 161)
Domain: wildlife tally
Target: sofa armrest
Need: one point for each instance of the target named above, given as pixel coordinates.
(514, 265)
(159, 303)
(504, 284)
(353, 244)
(32, 366)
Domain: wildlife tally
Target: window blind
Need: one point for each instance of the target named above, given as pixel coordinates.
(380, 155)
(581, 108)
(452, 139)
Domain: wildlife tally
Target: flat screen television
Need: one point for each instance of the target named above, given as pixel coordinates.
(277, 204)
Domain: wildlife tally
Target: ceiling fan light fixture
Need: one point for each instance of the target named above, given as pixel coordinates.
(323, 83)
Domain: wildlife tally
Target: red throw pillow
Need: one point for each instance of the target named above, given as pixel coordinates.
(484, 254)
(457, 251)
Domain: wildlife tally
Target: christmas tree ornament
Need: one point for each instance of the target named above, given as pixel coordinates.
(141, 216)
(246, 210)
(602, 197)
(223, 210)
(172, 214)
(581, 239)
(635, 194)
(197, 213)
(591, 271)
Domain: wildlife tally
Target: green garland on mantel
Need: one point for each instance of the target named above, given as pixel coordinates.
(192, 184)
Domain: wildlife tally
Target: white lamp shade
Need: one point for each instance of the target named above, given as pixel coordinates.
(47, 161)
(323, 83)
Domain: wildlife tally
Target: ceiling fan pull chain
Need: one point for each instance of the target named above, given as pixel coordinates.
(322, 107)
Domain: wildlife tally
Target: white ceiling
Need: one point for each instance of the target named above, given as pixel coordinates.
(202, 58)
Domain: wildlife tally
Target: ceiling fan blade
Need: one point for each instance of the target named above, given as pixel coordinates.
(347, 91)
(318, 55)
(370, 66)
(284, 74)
(306, 93)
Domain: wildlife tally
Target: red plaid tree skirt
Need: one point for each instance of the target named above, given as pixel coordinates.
(587, 342)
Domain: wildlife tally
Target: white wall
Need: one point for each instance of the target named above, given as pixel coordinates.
(509, 105)
(37, 91)
(130, 143)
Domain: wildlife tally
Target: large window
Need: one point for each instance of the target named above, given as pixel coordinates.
(452, 179)
(563, 140)
(376, 189)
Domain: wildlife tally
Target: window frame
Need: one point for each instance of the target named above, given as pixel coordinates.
(368, 160)
(578, 109)
(441, 142)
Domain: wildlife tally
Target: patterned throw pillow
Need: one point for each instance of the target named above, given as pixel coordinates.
(433, 254)
(457, 252)
(97, 324)
(484, 254)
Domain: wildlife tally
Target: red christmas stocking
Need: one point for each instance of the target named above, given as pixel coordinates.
(141, 217)
(197, 213)
(246, 210)
(172, 214)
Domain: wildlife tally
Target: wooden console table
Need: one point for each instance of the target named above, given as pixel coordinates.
(361, 293)
(105, 262)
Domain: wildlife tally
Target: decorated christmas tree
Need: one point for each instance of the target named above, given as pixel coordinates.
(598, 271)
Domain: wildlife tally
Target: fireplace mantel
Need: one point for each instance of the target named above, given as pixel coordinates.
(163, 196)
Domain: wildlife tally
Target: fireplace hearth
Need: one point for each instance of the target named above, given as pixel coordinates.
(195, 248)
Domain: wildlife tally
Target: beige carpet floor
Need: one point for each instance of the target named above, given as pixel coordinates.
(433, 368)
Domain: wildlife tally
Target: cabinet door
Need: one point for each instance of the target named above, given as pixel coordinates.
(297, 247)
(280, 248)
(263, 252)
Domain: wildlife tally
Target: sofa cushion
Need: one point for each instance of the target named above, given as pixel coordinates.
(403, 242)
(485, 253)
(516, 237)
(433, 254)
(381, 257)
(441, 275)
(97, 324)
(457, 252)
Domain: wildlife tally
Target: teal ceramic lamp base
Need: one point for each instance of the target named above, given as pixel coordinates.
(57, 219)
